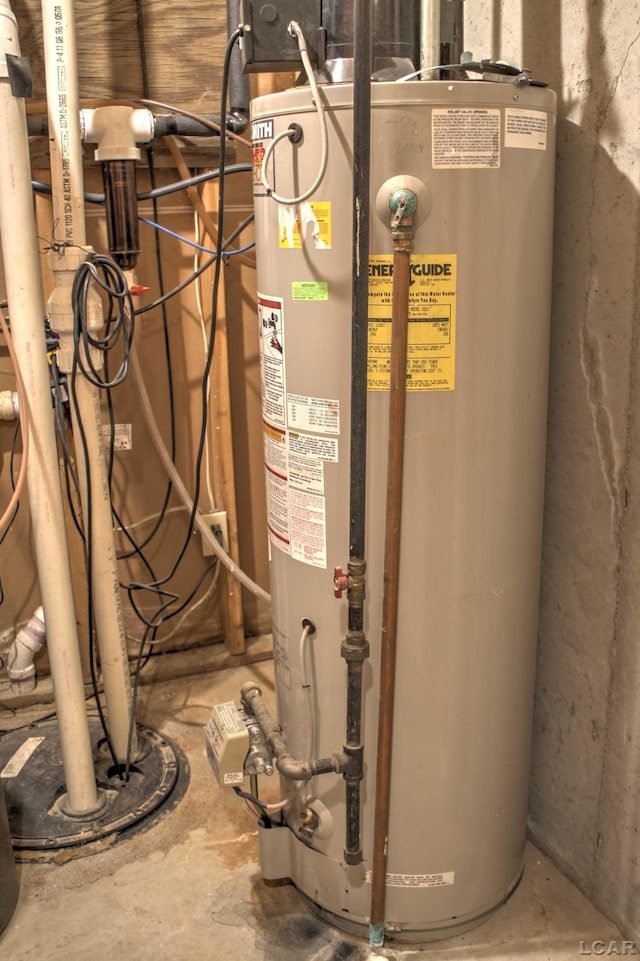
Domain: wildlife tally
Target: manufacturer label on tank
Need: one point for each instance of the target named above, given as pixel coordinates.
(525, 129)
(271, 322)
(431, 352)
(305, 225)
(466, 137)
(417, 880)
(261, 130)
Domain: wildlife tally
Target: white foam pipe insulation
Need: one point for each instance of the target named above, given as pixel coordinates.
(26, 306)
(67, 185)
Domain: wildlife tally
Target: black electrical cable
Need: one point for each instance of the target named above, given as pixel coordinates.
(119, 319)
(70, 475)
(209, 360)
(197, 273)
(198, 178)
(89, 545)
(14, 444)
(119, 328)
(165, 320)
(42, 187)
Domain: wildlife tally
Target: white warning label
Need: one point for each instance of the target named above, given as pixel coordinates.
(294, 469)
(417, 880)
(525, 128)
(272, 369)
(278, 509)
(313, 413)
(308, 528)
(306, 473)
(320, 448)
(466, 137)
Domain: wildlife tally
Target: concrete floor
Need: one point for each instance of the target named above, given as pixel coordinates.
(190, 888)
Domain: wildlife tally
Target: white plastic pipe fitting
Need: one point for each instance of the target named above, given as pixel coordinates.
(22, 653)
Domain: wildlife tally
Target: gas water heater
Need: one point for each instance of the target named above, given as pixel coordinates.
(472, 162)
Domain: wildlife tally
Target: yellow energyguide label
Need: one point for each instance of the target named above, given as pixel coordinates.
(431, 353)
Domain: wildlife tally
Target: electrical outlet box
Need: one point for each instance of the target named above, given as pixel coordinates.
(267, 45)
(213, 520)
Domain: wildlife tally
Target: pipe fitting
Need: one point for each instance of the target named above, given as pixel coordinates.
(117, 130)
(64, 262)
(9, 405)
(293, 768)
(20, 661)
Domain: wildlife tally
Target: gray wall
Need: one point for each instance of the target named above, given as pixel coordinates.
(585, 801)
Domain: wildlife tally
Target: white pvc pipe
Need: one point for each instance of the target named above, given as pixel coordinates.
(26, 306)
(430, 34)
(68, 212)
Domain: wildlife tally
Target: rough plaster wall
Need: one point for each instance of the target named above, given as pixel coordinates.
(585, 802)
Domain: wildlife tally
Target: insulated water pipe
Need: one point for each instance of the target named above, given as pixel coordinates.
(26, 306)
(68, 216)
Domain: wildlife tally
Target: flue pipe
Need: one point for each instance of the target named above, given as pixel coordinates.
(26, 306)
(68, 216)
(430, 35)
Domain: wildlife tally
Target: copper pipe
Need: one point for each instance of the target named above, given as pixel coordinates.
(395, 470)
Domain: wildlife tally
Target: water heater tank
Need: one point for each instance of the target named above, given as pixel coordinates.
(482, 154)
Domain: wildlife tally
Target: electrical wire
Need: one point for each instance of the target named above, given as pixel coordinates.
(70, 474)
(14, 444)
(75, 368)
(439, 66)
(41, 187)
(205, 344)
(203, 428)
(159, 270)
(9, 512)
(145, 520)
(316, 98)
(119, 318)
(197, 179)
(193, 243)
(194, 276)
(209, 359)
(263, 806)
(210, 590)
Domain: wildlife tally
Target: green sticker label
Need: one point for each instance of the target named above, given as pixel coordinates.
(310, 290)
